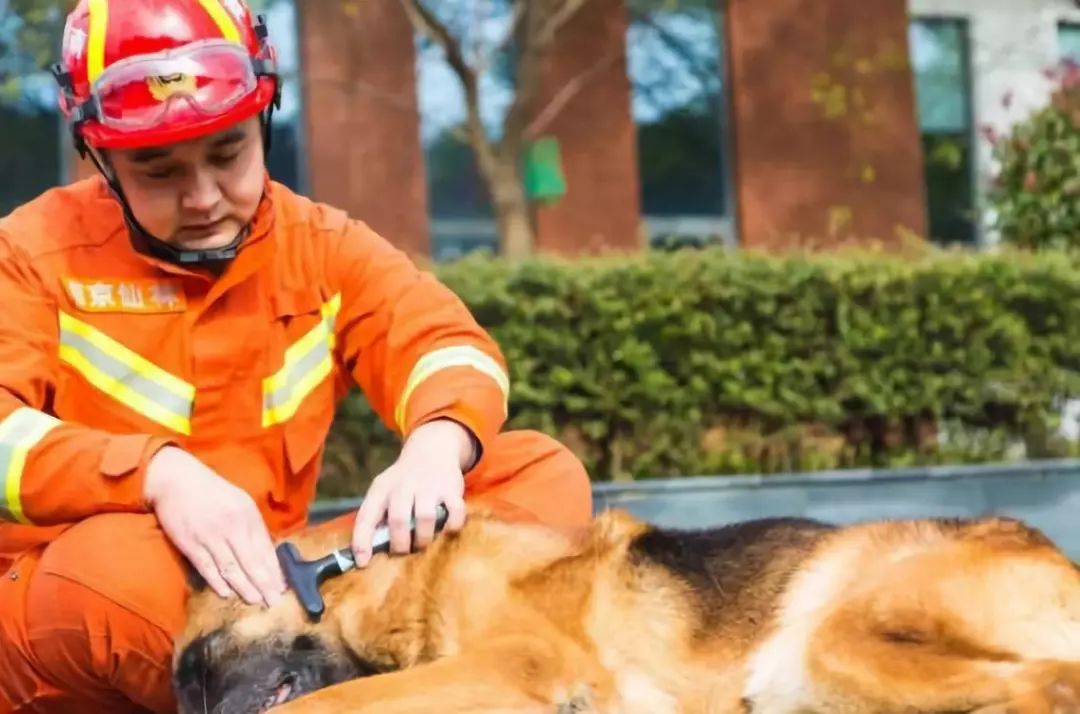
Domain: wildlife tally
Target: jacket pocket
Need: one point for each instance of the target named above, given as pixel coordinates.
(298, 396)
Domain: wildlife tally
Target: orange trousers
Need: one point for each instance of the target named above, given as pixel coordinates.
(86, 622)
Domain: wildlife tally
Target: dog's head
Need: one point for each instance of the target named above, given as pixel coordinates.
(234, 657)
(247, 659)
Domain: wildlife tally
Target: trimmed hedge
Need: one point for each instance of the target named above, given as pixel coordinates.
(719, 362)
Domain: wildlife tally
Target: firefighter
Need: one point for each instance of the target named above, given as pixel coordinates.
(175, 334)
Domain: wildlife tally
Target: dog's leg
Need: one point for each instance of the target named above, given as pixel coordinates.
(962, 628)
(516, 674)
(860, 671)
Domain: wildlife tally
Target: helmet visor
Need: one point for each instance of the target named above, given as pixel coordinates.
(202, 80)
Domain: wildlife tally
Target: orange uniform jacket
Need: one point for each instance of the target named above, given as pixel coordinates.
(106, 355)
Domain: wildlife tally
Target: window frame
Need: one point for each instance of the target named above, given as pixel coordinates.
(970, 96)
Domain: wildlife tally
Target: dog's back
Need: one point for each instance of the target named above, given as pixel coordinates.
(754, 616)
(731, 575)
(668, 610)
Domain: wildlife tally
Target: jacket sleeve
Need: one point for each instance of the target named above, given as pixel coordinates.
(410, 343)
(52, 471)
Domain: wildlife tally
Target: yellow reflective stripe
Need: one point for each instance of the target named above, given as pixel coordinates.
(98, 11)
(307, 362)
(443, 358)
(315, 336)
(19, 432)
(142, 366)
(329, 311)
(224, 20)
(277, 413)
(125, 375)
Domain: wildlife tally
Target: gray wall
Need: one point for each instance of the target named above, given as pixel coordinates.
(1046, 494)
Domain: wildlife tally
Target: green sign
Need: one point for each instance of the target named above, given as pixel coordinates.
(544, 179)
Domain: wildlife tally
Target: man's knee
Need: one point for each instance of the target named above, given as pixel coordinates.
(102, 606)
(95, 650)
(127, 559)
(535, 475)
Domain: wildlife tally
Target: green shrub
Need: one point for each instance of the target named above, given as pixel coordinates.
(718, 362)
(1036, 193)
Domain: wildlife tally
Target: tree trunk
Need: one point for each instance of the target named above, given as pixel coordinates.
(511, 209)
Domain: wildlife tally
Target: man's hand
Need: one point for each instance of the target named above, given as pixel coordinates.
(429, 471)
(215, 524)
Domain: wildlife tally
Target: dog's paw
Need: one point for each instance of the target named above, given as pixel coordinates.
(1054, 691)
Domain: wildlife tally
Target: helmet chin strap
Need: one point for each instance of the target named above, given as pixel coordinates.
(148, 244)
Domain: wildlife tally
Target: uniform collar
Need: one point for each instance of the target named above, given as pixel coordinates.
(256, 250)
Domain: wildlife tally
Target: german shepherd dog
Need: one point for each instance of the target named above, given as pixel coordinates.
(775, 615)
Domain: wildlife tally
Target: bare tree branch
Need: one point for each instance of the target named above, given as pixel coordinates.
(564, 10)
(527, 86)
(481, 9)
(567, 93)
(426, 22)
(533, 26)
(538, 32)
(517, 13)
(398, 102)
(674, 43)
(484, 59)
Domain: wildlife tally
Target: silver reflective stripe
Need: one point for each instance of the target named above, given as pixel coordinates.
(295, 373)
(19, 432)
(445, 358)
(307, 363)
(127, 376)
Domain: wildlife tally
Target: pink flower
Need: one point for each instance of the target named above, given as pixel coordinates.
(1070, 72)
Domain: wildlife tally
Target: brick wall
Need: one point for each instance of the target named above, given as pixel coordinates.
(825, 134)
(597, 135)
(363, 148)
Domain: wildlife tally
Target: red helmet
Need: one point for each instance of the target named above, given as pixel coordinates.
(146, 72)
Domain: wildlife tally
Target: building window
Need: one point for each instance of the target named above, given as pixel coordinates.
(941, 60)
(1069, 42)
(286, 162)
(674, 62)
(30, 125)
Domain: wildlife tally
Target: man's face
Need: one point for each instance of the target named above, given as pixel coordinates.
(196, 194)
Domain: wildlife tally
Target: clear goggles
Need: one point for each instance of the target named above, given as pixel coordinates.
(200, 80)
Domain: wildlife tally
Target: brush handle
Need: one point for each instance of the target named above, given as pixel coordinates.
(343, 560)
(305, 576)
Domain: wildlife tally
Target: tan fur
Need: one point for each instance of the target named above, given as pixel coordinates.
(904, 616)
